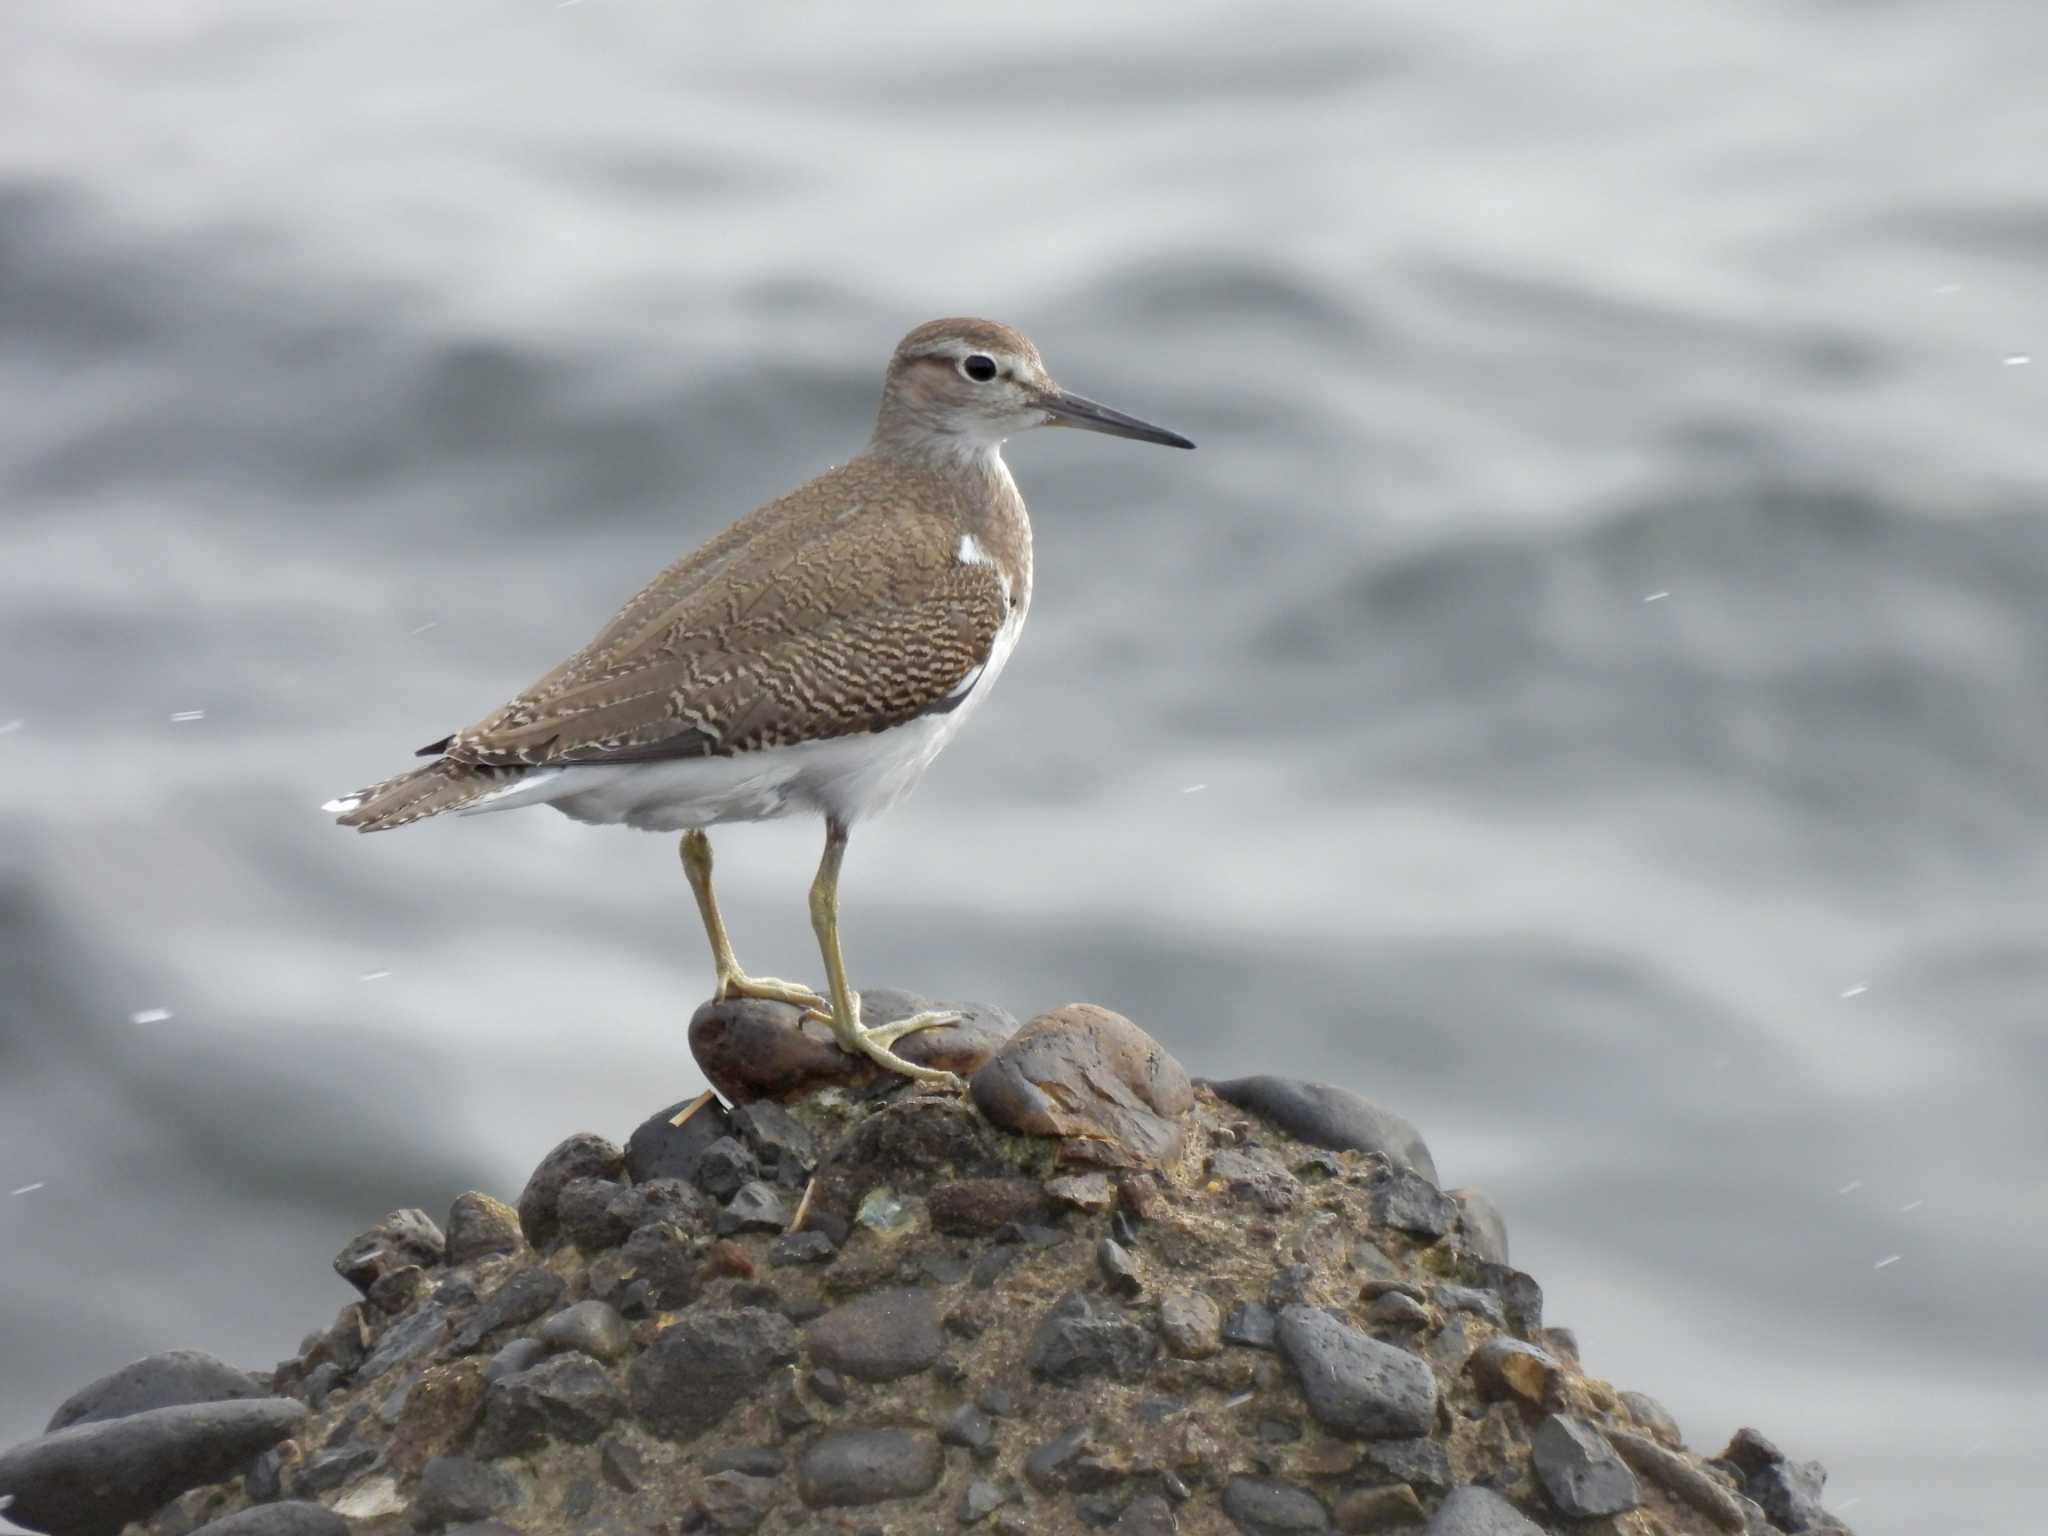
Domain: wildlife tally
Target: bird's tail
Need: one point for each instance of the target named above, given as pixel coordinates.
(444, 785)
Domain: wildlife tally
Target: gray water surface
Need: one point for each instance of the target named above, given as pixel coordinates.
(1589, 692)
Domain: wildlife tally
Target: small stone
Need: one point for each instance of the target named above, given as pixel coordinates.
(1110, 1091)
(622, 1464)
(399, 1290)
(1251, 1324)
(582, 1156)
(1408, 1202)
(525, 1295)
(1481, 1227)
(91, 1479)
(977, 1207)
(1651, 1416)
(1506, 1367)
(1466, 1298)
(997, 1402)
(1356, 1385)
(1394, 1310)
(592, 1327)
(661, 1260)
(1290, 1284)
(1119, 1269)
(1679, 1478)
(479, 1226)
(669, 1201)
(981, 1498)
(751, 1050)
(405, 1341)
(1322, 1116)
(1259, 1506)
(403, 1237)
(1191, 1324)
(519, 1355)
(1789, 1493)
(567, 1398)
(1580, 1471)
(1067, 1461)
(441, 1406)
(830, 1387)
(1519, 1293)
(881, 1210)
(1089, 1192)
(325, 1471)
(783, 1143)
(736, 1502)
(878, 1337)
(1076, 1340)
(867, 1466)
(1750, 1451)
(690, 1377)
(754, 1207)
(724, 1165)
(1422, 1462)
(587, 1214)
(807, 1247)
(969, 1428)
(168, 1380)
(1476, 1511)
(292, 1518)
(1147, 1515)
(1255, 1175)
(377, 1499)
(456, 1489)
(1379, 1509)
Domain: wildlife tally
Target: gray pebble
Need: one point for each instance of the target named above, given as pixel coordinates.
(325, 1471)
(403, 1237)
(724, 1165)
(1474, 1511)
(1410, 1203)
(1119, 1269)
(754, 1207)
(454, 1489)
(782, 1142)
(582, 1156)
(1077, 1339)
(968, 1427)
(1147, 1515)
(1256, 1175)
(801, 1248)
(878, 1337)
(1191, 1324)
(1467, 1298)
(692, 1376)
(567, 1398)
(1580, 1471)
(1355, 1384)
(1421, 1462)
(160, 1381)
(479, 1226)
(662, 1260)
(1653, 1417)
(981, 1498)
(592, 1327)
(591, 1214)
(736, 1501)
(1323, 1116)
(1395, 1310)
(1259, 1506)
(1506, 1367)
(291, 1518)
(424, 1331)
(1481, 1227)
(867, 1466)
(662, 1148)
(1789, 1493)
(525, 1295)
(519, 1355)
(1251, 1324)
(91, 1479)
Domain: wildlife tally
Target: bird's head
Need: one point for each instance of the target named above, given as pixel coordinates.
(962, 386)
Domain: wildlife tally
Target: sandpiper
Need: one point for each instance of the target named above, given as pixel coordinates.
(813, 658)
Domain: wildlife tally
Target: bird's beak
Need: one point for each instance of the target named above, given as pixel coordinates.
(1065, 410)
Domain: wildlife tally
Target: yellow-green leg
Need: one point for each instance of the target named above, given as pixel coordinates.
(844, 1018)
(732, 981)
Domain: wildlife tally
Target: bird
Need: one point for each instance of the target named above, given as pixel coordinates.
(814, 658)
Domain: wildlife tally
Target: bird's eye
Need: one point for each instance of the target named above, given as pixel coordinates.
(980, 367)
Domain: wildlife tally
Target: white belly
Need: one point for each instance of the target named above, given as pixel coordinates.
(849, 778)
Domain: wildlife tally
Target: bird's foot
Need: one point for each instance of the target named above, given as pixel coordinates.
(858, 1039)
(738, 983)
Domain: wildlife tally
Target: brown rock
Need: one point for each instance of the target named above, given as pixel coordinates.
(479, 1226)
(1379, 1509)
(439, 1409)
(1095, 1080)
(1506, 1367)
(748, 1049)
(973, 1207)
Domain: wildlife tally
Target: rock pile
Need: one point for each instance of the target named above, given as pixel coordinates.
(1090, 1295)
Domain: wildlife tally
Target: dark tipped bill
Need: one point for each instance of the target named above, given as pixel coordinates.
(1065, 410)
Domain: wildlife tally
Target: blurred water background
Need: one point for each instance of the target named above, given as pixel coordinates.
(1586, 693)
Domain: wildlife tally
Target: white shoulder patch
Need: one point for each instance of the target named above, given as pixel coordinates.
(971, 552)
